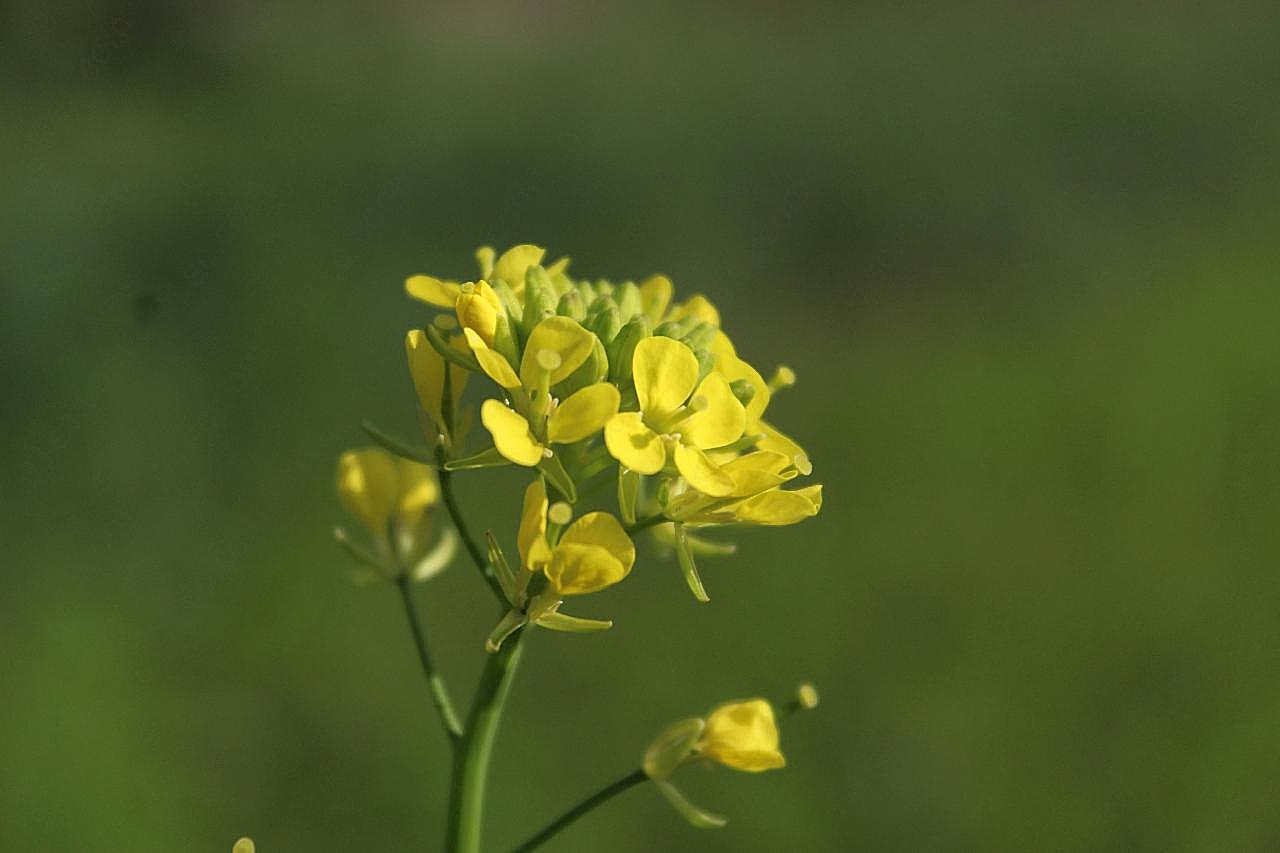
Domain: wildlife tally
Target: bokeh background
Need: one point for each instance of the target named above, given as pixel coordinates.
(1024, 260)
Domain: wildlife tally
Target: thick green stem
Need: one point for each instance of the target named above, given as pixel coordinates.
(439, 693)
(471, 760)
(645, 523)
(599, 798)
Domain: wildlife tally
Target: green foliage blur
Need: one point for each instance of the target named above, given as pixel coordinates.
(1023, 258)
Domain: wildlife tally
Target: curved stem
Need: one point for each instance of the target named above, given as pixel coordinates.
(599, 798)
(439, 693)
(455, 514)
(471, 760)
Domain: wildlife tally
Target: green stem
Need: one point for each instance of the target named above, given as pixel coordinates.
(471, 760)
(645, 523)
(599, 798)
(473, 548)
(439, 693)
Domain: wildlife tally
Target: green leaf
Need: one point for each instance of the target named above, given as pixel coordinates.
(489, 458)
(684, 554)
(696, 816)
(502, 569)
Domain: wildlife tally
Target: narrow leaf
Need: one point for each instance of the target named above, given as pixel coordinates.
(557, 621)
(685, 555)
(555, 473)
(696, 816)
(489, 458)
(399, 446)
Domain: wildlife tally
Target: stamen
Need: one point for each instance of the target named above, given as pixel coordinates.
(546, 453)
(469, 287)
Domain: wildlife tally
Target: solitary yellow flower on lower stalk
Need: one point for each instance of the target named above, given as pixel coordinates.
(674, 414)
(742, 735)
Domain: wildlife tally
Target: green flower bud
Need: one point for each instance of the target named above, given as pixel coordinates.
(628, 298)
(706, 363)
(624, 347)
(504, 340)
(605, 322)
(700, 336)
(571, 305)
(677, 328)
(539, 299)
(508, 299)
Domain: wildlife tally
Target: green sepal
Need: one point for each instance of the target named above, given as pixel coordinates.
(438, 558)
(504, 340)
(684, 554)
(628, 493)
(502, 569)
(700, 336)
(399, 446)
(488, 458)
(698, 546)
(511, 622)
(706, 363)
(743, 390)
(510, 302)
(557, 621)
(676, 328)
(466, 360)
(553, 469)
(696, 816)
(622, 350)
(672, 747)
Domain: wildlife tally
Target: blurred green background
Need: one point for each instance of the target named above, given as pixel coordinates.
(1024, 261)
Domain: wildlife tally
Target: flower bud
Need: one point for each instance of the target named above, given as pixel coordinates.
(539, 299)
(606, 321)
(571, 305)
(623, 348)
(628, 298)
(591, 371)
(743, 390)
(478, 308)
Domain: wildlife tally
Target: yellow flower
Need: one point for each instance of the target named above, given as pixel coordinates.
(426, 367)
(555, 349)
(374, 486)
(478, 309)
(592, 553)
(756, 496)
(742, 735)
(673, 413)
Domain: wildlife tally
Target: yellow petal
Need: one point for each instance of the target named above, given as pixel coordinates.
(433, 291)
(563, 336)
(703, 474)
(580, 569)
(419, 490)
(779, 443)
(531, 540)
(743, 735)
(368, 484)
(719, 418)
(665, 373)
(492, 362)
(478, 310)
(511, 434)
(778, 507)
(558, 268)
(634, 444)
(584, 413)
(733, 368)
(426, 367)
(515, 262)
(696, 306)
(655, 296)
(602, 530)
(757, 472)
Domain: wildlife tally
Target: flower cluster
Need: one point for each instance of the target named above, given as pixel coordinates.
(591, 377)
